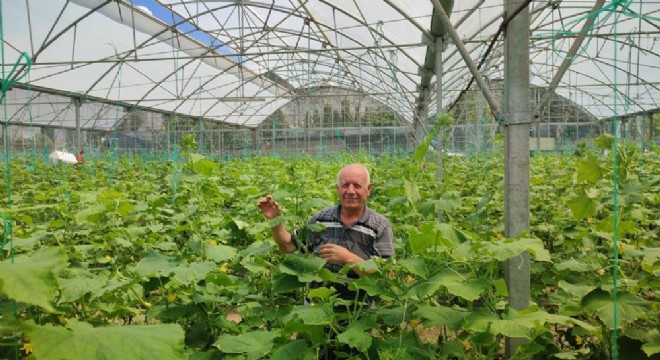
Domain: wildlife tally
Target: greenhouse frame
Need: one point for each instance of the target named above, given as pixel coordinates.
(196, 85)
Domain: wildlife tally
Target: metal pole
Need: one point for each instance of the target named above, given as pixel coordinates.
(77, 104)
(439, 47)
(516, 117)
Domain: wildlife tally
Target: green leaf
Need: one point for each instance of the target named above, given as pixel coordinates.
(456, 284)
(479, 320)
(441, 316)
(434, 237)
(254, 344)
(219, 253)
(576, 290)
(82, 341)
(295, 350)
(155, 264)
(312, 315)
(92, 214)
(321, 293)
(205, 167)
(124, 208)
(503, 250)
(572, 265)
(305, 268)
(416, 266)
(30, 279)
(652, 345)
(356, 335)
(194, 272)
(370, 284)
(589, 169)
(394, 316)
(284, 283)
(74, 289)
(412, 192)
(581, 206)
(629, 307)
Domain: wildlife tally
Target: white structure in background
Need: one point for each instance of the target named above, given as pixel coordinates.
(63, 156)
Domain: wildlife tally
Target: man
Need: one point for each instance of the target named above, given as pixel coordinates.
(352, 232)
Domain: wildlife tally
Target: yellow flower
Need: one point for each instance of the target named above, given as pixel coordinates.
(171, 298)
(498, 235)
(389, 329)
(27, 348)
(213, 242)
(409, 279)
(601, 271)
(590, 220)
(622, 248)
(146, 304)
(579, 340)
(223, 268)
(466, 344)
(108, 257)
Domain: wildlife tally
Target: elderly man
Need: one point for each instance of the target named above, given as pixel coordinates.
(351, 233)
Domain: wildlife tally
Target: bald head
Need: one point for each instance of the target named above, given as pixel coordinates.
(355, 168)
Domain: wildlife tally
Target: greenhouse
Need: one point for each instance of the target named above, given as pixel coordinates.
(154, 149)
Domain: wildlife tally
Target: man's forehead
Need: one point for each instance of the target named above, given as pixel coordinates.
(354, 178)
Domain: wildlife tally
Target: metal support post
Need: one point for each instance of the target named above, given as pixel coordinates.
(439, 47)
(77, 103)
(516, 117)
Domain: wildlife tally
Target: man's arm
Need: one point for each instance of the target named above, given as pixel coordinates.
(271, 209)
(283, 238)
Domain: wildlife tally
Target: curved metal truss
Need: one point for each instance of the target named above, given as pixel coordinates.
(239, 61)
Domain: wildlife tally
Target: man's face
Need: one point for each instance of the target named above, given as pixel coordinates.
(353, 188)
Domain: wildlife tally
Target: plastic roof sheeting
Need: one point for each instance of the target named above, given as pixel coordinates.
(239, 61)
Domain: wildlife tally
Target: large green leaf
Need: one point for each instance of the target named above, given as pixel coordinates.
(629, 307)
(412, 192)
(503, 250)
(194, 272)
(394, 316)
(455, 283)
(581, 206)
(441, 316)
(652, 345)
(304, 267)
(312, 315)
(93, 214)
(219, 253)
(254, 344)
(295, 350)
(572, 265)
(30, 279)
(576, 290)
(434, 237)
(415, 266)
(589, 169)
(155, 264)
(82, 341)
(356, 334)
(284, 283)
(75, 288)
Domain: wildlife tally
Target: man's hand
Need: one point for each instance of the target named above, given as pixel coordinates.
(271, 209)
(337, 254)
